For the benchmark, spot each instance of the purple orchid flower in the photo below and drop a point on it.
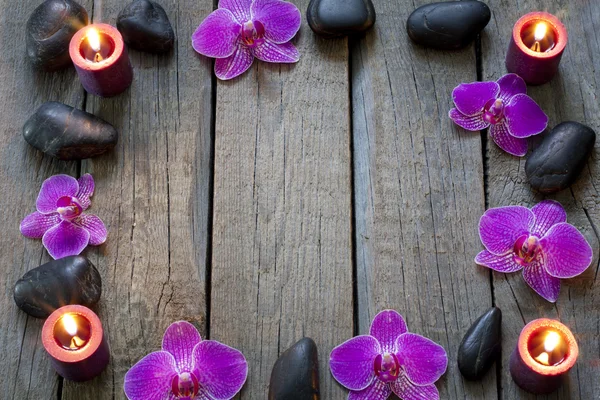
(240, 30)
(388, 360)
(59, 220)
(538, 241)
(503, 105)
(187, 368)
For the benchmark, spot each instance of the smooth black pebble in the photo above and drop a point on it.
(69, 280)
(49, 31)
(448, 25)
(334, 18)
(561, 156)
(145, 26)
(481, 345)
(295, 375)
(67, 133)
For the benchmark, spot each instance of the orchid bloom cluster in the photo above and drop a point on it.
(389, 359)
(241, 30)
(59, 220)
(504, 107)
(538, 241)
(187, 368)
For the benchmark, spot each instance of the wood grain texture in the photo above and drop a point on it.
(572, 95)
(418, 190)
(26, 372)
(282, 261)
(153, 194)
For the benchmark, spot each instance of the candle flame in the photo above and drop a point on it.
(70, 324)
(540, 31)
(93, 38)
(551, 341)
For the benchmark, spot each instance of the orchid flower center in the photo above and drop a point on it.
(526, 249)
(68, 207)
(252, 33)
(493, 112)
(387, 367)
(185, 385)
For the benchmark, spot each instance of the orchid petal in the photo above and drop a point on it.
(566, 251)
(65, 239)
(179, 339)
(470, 98)
(351, 362)
(272, 52)
(53, 189)
(217, 35)
(94, 226)
(473, 123)
(505, 263)
(221, 370)
(281, 19)
(150, 378)
(507, 142)
(234, 65)
(86, 190)
(386, 327)
(499, 228)
(406, 390)
(541, 282)
(511, 85)
(547, 214)
(378, 390)
(36, 224)
(239, 8)
(424, 361)
(524, 117)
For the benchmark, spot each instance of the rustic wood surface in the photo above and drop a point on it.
(296, 200)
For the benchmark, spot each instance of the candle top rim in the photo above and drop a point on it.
(533, 328)
(80, 37)
(562, 37)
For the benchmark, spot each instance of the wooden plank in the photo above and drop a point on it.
(418, 190)
(26, 371)
(572, 95)
(153, 194)
(282, 265)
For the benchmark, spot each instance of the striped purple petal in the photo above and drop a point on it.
(150, 378)
(470, 98)
(406, 390)
(217, 35)
(221, 370)
(541, 282)
(499, 228)
(36, 224)
(507, 142)
(352, 362)
(547, 214)
(505, 263)
(386, 327)
(272, 52)
(473, 123)
(566, 251)
(281, 19)
(511, 85)
(423, 360)
(53, 189)
(524, 117)
(239, 8)
(65, 239)
(94, 226)
(86, 190)
(179, 339)
(378, 390)
(235, 65)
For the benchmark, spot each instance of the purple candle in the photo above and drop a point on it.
(101, 60)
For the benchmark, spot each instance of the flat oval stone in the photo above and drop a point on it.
(145, 27)
(49, 31)
(448, 25)
(561, 156)
(335, 18)
(69, 280)
(295, 375)
(481, 345)
(66, 133)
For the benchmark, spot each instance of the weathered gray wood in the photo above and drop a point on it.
(572, 95)
(26, 372)
(282, 256)
(153, 194)
(418, 190)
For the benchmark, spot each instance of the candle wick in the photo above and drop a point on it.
(98, 57)
(536, 47)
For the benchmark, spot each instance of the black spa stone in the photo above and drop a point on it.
(481, 345)
(334, 18)
(561, 156)
(66, 133)
(448, 25)
(70, 280)
(49, 31)
(295, 375)
(145, 27)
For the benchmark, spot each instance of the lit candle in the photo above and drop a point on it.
(545, 353)
(74, 339)
(536, 47)
(101, 60)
